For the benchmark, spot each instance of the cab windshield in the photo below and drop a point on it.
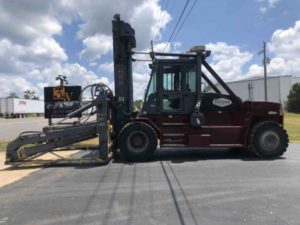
(151, 90)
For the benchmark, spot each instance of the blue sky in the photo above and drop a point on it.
(234, 22)
(39, 40)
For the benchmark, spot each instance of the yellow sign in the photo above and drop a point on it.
(59, 93)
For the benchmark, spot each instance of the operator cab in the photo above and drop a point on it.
(172, 87)
(176, 86)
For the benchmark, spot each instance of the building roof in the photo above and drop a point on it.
(259, 78)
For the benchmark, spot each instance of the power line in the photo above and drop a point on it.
(184, 8)
(164, 8)
(158, 21)
(189, 12)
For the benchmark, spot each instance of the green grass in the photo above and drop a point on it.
(292, 125)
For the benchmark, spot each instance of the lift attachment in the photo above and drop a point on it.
(31, 144)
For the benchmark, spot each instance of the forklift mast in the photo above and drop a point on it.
(123, 43)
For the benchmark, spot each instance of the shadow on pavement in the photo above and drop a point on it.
(172, 155)
(182, 155)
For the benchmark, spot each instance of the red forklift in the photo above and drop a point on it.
(176, 111)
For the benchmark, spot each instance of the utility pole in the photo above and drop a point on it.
(266, 61)
(265, 71)
(151, 46)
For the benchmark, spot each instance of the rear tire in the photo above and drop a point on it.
(268, 140)
(137, 141)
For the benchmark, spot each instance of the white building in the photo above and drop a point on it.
(253, 88)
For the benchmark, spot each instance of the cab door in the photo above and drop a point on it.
(171, 89)
(173, 119)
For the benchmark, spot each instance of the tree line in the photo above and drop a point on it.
(293, 99)
(26, 94)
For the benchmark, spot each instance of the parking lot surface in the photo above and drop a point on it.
(178, 187)
(11, 128)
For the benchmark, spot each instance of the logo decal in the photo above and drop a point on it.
(22, 102)
(222, 102)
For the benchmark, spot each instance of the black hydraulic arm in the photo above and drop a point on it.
(211, 84)
(31, 143)
(223, 84)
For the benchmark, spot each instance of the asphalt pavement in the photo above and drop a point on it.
(11, 128)
(178, 187)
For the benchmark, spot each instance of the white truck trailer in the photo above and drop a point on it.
(17, 107)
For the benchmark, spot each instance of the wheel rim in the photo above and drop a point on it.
(137, 141)
(269, 140)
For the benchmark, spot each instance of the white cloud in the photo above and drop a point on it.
(95, 31)
(24, 21)
(15, 84)
(26, 35)
(265, 5)
(285, 46)
(254, 70)
(109, 67)
(30, 54)
(15, 58)
(286, 43)
(147, 25)
(43, 51)
(92, 64)
(9, 54)
(228, 60)
(272, 3)
(162, 47)
(263, 9)
(96, 46)
(76, 74)
(140, 81)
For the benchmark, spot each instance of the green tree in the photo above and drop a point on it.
(12, 95)
(30, 95)
(293, 99)
(138, 104)
(35, 98)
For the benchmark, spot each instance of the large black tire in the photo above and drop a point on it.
(267, 139)
(137, 141)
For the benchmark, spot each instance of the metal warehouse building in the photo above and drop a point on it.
(253, 88)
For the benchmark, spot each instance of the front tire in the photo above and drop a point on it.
(268, 139)
(137, 141)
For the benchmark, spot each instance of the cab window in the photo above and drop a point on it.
(152, 86)
(172, 78)
(190, 80)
